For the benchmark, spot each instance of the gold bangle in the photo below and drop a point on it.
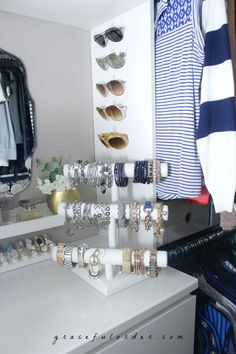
(142, 265)
(126, 260)
(60, 254)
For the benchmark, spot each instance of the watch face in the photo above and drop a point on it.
(39, 241)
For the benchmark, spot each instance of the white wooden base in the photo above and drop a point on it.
(109, 287)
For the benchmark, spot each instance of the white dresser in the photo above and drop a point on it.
(43, 301)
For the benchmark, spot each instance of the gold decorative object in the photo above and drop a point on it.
(54, 199)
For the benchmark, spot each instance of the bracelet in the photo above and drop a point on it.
(159, 233)
(148, 218)
(141, 172)
(81, 251)
(119, 175)
(122, 221)
(126, 260)
(68, 220)
(83, 177)
(153, 269)
(77, 215)
(106, 179)
(134, 216)
(156, 172)
(94, 265)
(60, 254)
(68, 256)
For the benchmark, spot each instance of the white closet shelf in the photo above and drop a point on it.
(48, 221)
(24, 263)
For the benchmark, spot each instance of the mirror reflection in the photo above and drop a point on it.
(17, 133)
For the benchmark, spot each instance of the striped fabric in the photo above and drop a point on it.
(216, 135)
(179, 57)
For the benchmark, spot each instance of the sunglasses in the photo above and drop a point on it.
(115, 61)
(116, 87)
(115, 112)
(114, 34)
(114, 140)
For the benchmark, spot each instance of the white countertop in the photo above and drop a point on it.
(43, 300)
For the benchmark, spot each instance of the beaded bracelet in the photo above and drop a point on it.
(141, 172)
(119, 174)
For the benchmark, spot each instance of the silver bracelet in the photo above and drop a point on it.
(68, 256)
(77, 215)
(81, 251)
(122, 221)
(94, 265)
(134, 216)
(153, 270)
(68, 221)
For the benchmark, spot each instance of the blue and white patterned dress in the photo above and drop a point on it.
(179, 57)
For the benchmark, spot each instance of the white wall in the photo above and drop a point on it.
(57, 61)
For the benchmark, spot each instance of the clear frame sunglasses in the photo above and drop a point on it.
(114, 60)
(116, 87)
(114, 34)
(115, 112)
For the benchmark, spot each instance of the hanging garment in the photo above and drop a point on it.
(21, 110)
(179, 59)
(216, 135)
(216, 329)
(7, 139)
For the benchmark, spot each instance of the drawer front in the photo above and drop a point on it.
(169, 332)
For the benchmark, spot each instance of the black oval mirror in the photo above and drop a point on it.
(17, 127)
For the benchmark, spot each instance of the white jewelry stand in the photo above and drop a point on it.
(128, 169)
(111, 257)
(112, 281)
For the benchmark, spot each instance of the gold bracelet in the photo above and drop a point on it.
(126, 260)
(142, 265)
(154, 172)
(159, 222)
(60, 254)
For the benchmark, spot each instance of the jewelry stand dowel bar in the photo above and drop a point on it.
(114, 256)
(128, 169)
(114, 211)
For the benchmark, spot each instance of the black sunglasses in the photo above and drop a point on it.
(115, 34)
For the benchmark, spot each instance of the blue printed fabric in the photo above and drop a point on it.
(215, 330)
(179, 57)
